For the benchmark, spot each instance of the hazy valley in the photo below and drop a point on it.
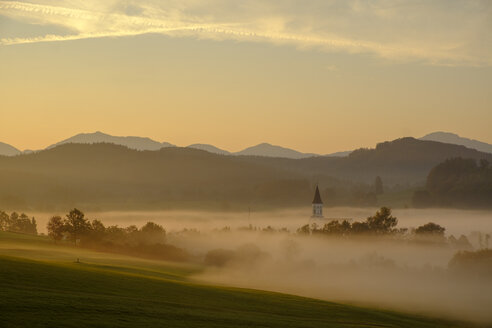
(260, 163)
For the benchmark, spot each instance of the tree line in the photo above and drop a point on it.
(382, 223)
(16, 222)
(190, 178)
(146, 241)
(457, 182)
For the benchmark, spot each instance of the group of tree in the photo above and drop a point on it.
(346, 193)
(247, 254)
(16, 222)
(147, 241)
(380, 224)
(475, 263)
(378, 185)
(457, 182)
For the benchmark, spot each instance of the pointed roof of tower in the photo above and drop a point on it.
(317, 197)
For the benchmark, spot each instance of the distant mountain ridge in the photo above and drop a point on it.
(8, 150)
(261, 150)
(137, 143)
(401, 161)
(142, 143)
(269, 150)
(340, 153)
(210, 148)
(452, 138)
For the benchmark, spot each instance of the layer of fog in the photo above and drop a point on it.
(456, 222)
(385, 274)
(397, 275)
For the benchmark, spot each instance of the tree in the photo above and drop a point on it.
(460, 182)
(378, 185)
(430, 228)
(152, 233)
(314, 228)
(304, 230)
(97, 230)
(460, 243)
(484, 164)
(76, 224)
(13, 217)
(131, 229)
(4, 221)
(56, 228)
(34, 226)
(382, 222)
(360, 227)
(219, 257)
(478, 263)
(22, 223)
(336, 228)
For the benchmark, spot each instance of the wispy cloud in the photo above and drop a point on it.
(396, 30)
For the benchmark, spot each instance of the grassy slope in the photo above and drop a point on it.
(105, 290)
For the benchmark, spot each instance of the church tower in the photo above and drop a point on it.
(317, 205)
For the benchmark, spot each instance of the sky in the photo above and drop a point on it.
(314, 75)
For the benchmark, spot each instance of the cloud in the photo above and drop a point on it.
(395, 30)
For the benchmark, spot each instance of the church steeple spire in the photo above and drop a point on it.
(317, 204)
(317, 197)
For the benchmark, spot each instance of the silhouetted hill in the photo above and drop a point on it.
(455, 139)
(402, 161)
(457, 182)
(340, 153)
(406, 158)
(209, 148)
(111, 176)
(8, 150)
(137, 143)
(140, 143)
(268, 150)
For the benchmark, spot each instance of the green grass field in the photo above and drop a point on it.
(41, 285)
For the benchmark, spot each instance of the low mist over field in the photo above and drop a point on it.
(251, 249)
(371, 272)
(457, 222)
(260, 163)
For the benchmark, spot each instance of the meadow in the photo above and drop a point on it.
(46, 285)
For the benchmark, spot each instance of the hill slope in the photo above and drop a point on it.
(401, 161)
(115, 177)
(118, 177)
(340, 153)
(137, 143)
(455, 139)
(106, 292)
(268, 150)
(8, 150)
(210, 148)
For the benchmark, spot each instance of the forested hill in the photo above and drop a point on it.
(113, 176)
(457, 182)
(109, 176)
(402, 161)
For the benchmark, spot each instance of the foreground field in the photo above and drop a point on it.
(44, 285)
